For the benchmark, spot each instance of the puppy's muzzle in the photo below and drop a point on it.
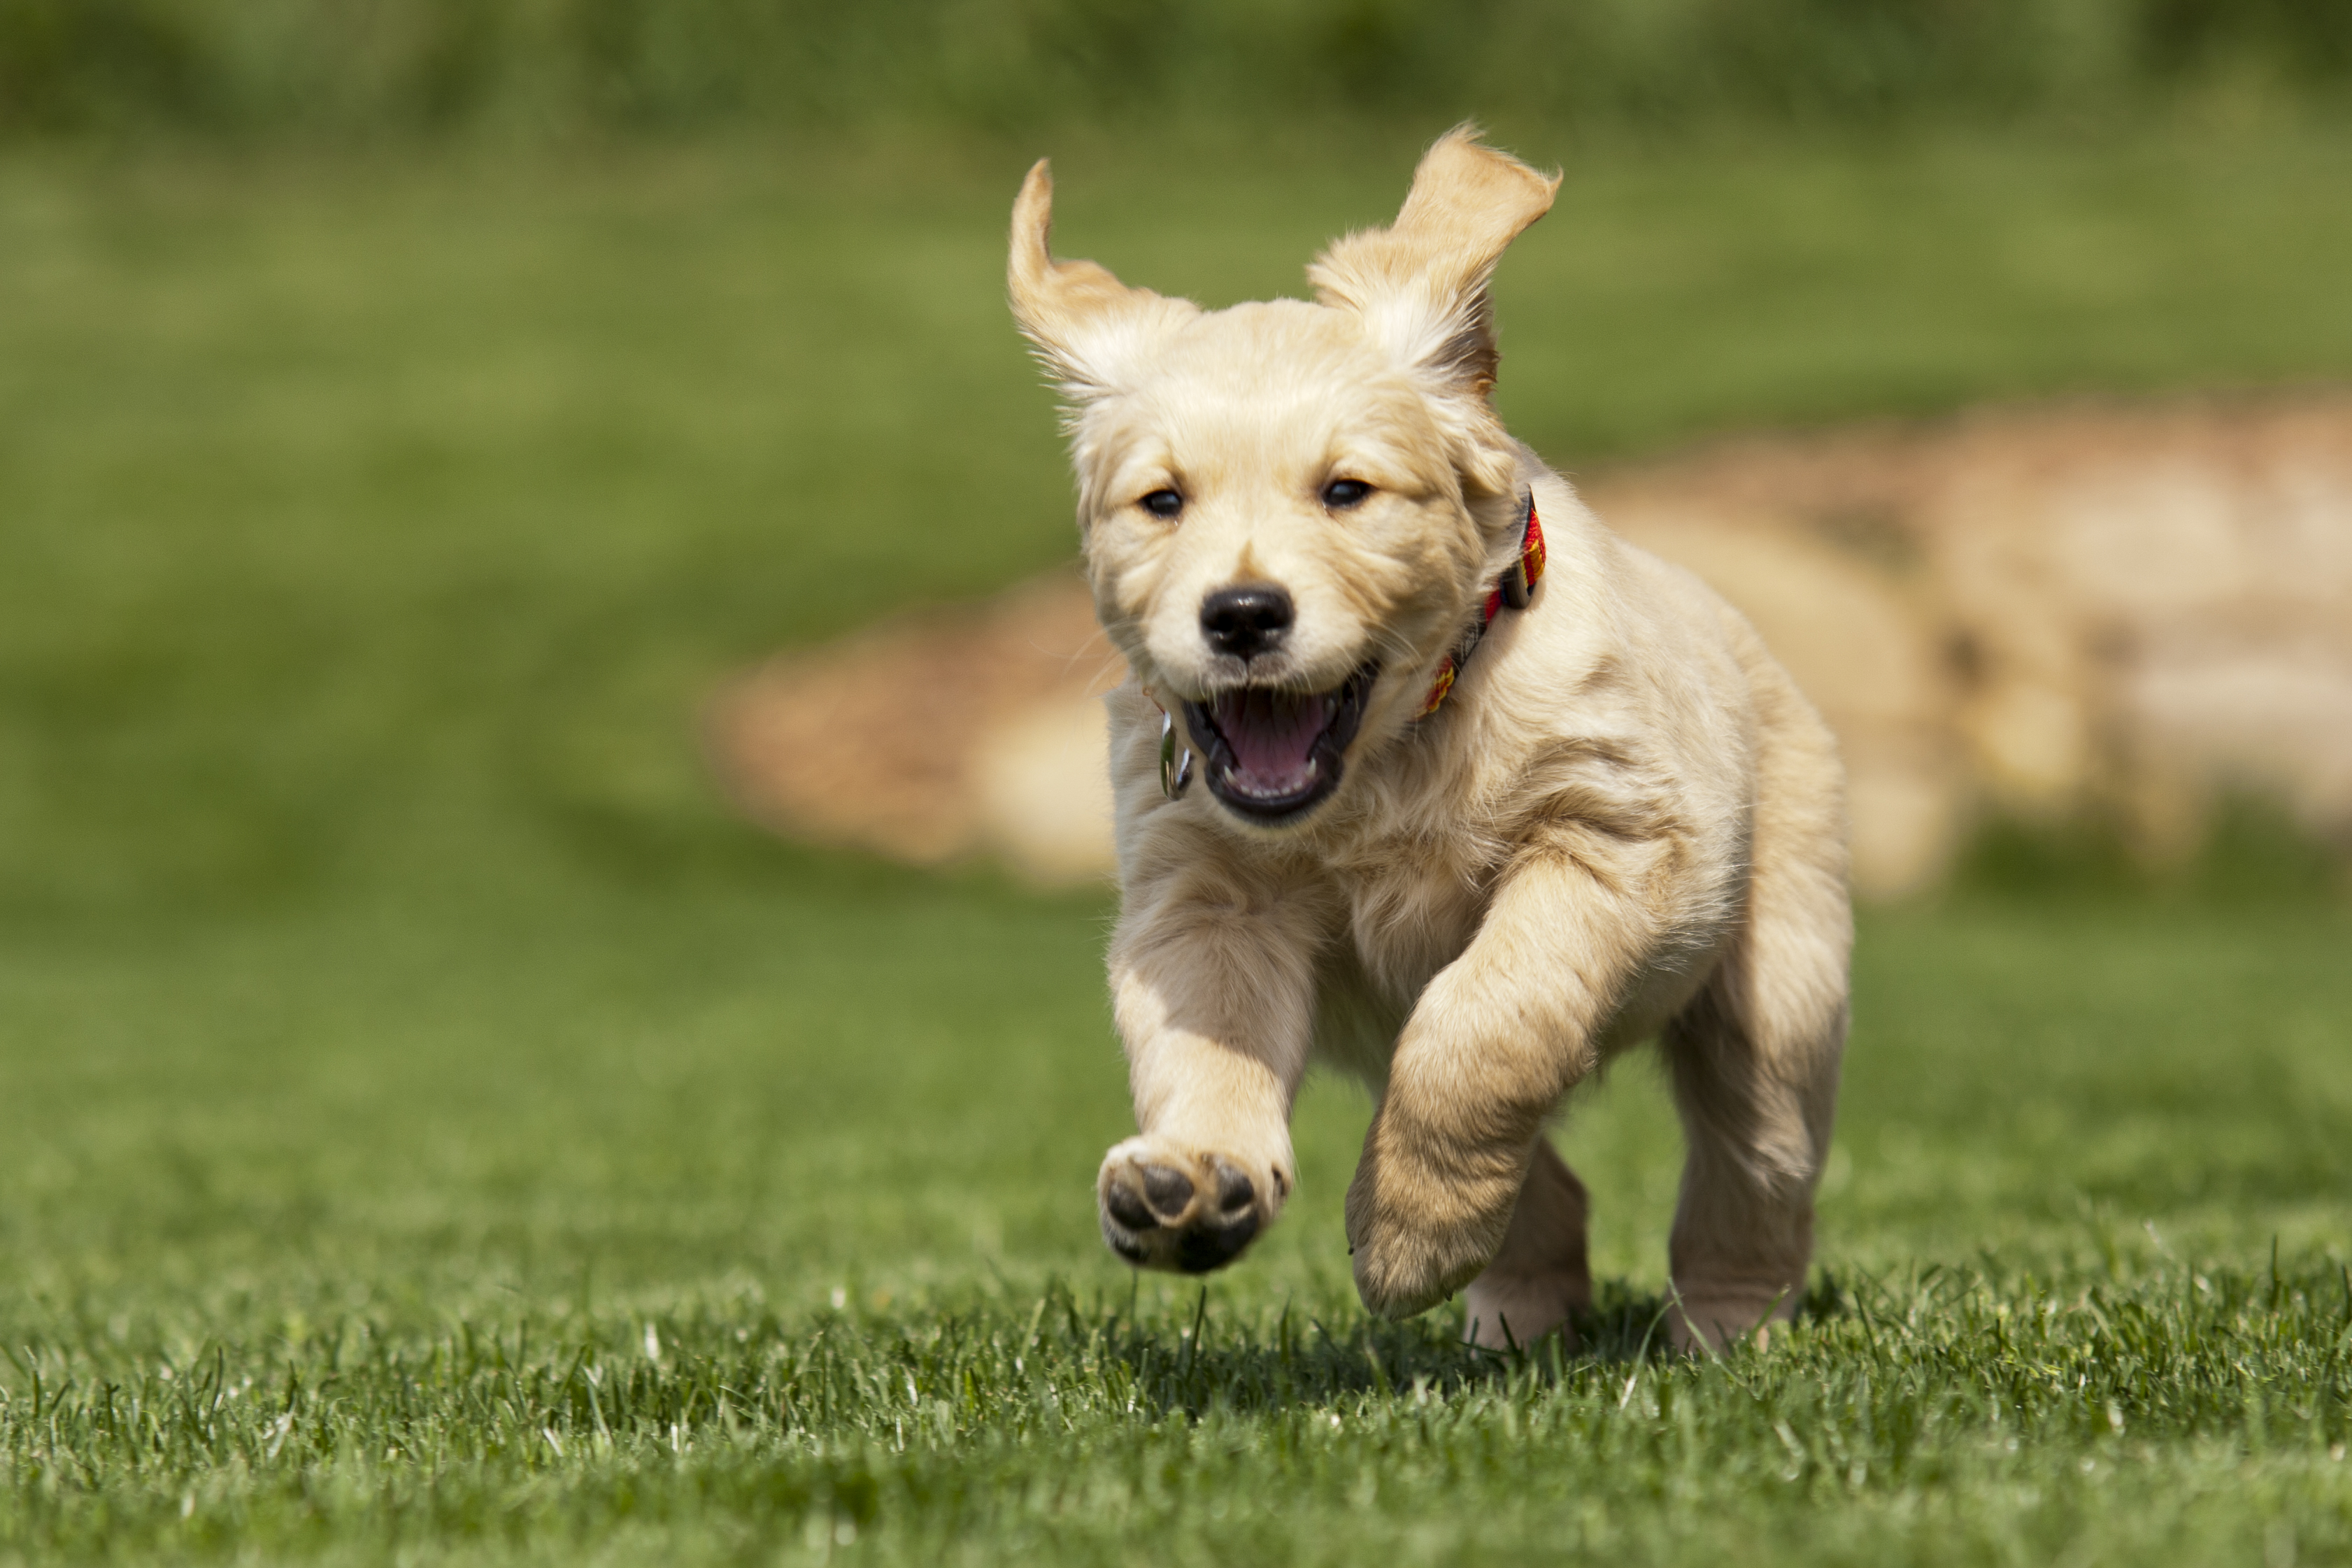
(1274, 754)
(1248, 620)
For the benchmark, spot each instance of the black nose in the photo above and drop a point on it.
(1247, 620)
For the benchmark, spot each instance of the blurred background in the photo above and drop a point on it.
(452, 456)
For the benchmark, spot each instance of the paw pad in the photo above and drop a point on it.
(1128, 1207)
(1157, 1214)
(1170, 1192)
(1235, 1191)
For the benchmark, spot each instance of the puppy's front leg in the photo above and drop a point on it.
(1213, 980)
(1497, 1039)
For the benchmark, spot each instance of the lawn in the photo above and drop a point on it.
(435, 1133)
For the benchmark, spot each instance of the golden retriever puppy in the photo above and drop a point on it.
(1423, 773)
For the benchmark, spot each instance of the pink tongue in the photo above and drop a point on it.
(1273, 735)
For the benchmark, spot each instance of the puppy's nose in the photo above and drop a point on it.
(1248, 620)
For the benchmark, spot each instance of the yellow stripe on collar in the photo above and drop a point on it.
(1517, 586)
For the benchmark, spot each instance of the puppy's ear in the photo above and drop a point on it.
(1091, 332)
(1420, 284)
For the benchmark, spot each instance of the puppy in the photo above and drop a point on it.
(1423, 773)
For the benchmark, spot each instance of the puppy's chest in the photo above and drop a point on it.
(1406, 917)
(1411, 910)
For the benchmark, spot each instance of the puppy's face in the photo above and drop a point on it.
(1287, 507)
(1276, 531)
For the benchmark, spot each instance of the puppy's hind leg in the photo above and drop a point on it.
(1754, 1059)
(1541, 1276)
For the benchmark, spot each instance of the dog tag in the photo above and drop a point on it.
(1174, 774)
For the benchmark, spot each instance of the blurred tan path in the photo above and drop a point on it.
(2037, 611)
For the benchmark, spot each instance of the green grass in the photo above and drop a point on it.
(539, 68)
(432, 1133)
(355, 515)
(708, 1226)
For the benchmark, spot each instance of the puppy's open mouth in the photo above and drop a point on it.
(1272, 753)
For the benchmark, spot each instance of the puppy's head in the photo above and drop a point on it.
(1289, 509)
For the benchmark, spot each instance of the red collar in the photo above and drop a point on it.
(1515, 588)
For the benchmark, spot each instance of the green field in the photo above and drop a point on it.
(434, 1132)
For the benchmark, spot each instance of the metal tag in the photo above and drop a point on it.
(1174, 774)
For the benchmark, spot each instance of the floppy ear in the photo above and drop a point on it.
(1420, 284)
(1091, 332)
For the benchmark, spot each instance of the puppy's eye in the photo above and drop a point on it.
(1162, 503)
(1341, 494)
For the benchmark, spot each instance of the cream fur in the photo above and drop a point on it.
(1623, 825)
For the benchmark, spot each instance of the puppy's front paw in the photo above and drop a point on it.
(1164, 1206)
(1416, 1237)
(1402, 1267)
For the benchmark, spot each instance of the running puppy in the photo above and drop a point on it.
(1423, 773)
